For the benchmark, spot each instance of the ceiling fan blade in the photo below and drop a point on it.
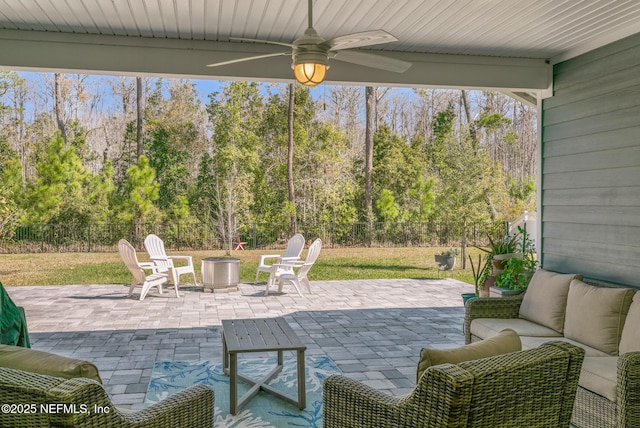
(249, 58)
(371, 60)
(356, 40)
(242, 39)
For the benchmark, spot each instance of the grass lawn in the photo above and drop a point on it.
(333, 264)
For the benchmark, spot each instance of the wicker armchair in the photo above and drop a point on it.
(534, 388)
(43, 401)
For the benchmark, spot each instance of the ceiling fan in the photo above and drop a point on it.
(311, 53)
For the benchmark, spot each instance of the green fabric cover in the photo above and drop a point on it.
(504, 342)
(31, 360)
(13, 323)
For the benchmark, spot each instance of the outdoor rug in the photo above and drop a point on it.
(263, 410)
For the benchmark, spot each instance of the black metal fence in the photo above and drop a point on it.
(103, 237)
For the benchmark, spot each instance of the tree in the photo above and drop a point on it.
(13, 89)
(370, 129)
(175, 141)
(327, 185)
(61, 187)
(283, 130)
(102, 196)
(290, 187)
(141, 190)
(235, 114)
(203, 197)
(466, 177)
(59, 109)
(386, 206)
(400, 176)
(11, 179)
(139, 116)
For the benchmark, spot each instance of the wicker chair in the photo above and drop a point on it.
(50, 401)
(533, 388)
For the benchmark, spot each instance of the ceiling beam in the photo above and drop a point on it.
(100, 54)
(524, 97)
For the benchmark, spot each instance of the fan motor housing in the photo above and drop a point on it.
(310, 54)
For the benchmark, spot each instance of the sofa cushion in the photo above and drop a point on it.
(630, 340)
(502, 343)
(529, 342)
(487, 327)
(545, 300)
(596, 315)
(599, 375)
(31, 360)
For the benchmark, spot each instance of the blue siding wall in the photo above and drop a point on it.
(591, 165)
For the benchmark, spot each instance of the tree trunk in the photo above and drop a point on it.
(463, 253)
(470, 121)
(230, 217)
(58, 107)
(292, 196)
(370, 102)
(139, 116)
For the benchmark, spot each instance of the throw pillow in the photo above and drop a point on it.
(31, 360)
(505, 341)
(630, 340)
(596, 315)
(545, 300)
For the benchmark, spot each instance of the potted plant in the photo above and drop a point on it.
(446, 260)
(501, 250)
(518, 271)
(481, 273)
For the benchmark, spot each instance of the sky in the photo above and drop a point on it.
(203, 86)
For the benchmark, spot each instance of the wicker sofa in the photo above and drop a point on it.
(533, 388)
(600, 318)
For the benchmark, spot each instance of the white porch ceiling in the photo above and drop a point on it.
(506, 44)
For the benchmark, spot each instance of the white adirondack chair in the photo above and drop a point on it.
(303, 269)
(292, 252)
(137, 269)
(155, 247)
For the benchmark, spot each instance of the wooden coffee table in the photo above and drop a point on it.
(260, 335)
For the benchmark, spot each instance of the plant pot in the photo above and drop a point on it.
(499, 261)
(504, 292)
(467, 296)
(484, 290)
(445, 262)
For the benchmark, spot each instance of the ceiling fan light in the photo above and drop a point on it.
(309, 73)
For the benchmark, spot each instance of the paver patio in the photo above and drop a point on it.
(372, 329)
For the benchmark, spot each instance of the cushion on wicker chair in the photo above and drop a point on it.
(487, 327)
(599, 375)
(630, 340)
(505, 341)
(545, 300)
(596, 315)
(30, 360)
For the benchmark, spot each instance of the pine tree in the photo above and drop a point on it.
(141, 192)
(60, 190)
